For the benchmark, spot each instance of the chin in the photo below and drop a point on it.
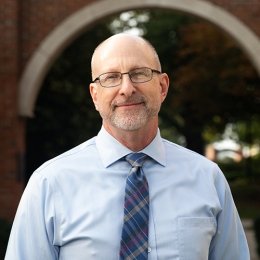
(130, 125)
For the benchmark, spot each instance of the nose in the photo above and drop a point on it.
(127, 88)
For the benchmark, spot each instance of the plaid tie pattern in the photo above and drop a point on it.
(134, 241)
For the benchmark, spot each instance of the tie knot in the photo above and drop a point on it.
(136, 159)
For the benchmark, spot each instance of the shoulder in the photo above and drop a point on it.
(181, 155)
(71, 158)
(173, 147)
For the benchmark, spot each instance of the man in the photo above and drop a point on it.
(73, 205)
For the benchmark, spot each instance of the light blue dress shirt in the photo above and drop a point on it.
(72, 207)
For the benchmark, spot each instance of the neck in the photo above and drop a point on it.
(134, 140)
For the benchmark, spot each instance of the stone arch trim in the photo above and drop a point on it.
(76, 23)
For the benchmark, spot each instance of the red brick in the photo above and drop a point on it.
(24, 24)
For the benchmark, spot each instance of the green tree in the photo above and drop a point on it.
(212, 84)
(212, 81)
(64, 113)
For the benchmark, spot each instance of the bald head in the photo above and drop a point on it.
(125, 46)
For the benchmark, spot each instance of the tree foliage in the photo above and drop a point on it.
(64, 113)
(212, 83)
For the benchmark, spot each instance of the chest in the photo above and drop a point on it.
(182, 223)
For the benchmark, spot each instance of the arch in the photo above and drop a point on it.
(76, 23)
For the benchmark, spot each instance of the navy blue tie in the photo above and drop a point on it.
(134, 241)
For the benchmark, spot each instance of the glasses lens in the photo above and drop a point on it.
(140, 75)
(110, 79)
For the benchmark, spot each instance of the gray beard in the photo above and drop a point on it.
(130, 121)
(133, 120)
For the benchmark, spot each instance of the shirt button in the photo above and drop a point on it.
(149, 249)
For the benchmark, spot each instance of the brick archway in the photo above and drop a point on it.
(77, 22)
(34, 33)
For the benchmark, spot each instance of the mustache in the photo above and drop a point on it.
(128, 101)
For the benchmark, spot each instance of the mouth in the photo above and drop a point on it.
(127, 107)
(130, 104)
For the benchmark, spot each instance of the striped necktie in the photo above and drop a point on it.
(134, 241)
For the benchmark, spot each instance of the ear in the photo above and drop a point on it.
(94, 94)
(164, 83)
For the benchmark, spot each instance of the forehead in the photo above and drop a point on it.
(123, 53)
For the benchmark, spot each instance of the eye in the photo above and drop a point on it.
(138, 74)
(111, 76)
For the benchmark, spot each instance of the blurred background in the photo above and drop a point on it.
(212, 106)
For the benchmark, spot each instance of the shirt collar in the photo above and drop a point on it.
(111, 150)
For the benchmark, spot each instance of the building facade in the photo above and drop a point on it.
(34, 33)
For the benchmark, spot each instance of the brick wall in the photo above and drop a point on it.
(11, 126)
(248, 11)
(40, 17)
(23, 25)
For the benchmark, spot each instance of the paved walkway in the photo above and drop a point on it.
(250, 234)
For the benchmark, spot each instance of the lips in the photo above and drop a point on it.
(129, 104)
(133, 102)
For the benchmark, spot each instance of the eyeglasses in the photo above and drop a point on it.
(113, 79)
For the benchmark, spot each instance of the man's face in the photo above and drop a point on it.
(129, 106)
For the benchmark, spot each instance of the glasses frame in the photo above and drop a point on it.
(129, 74)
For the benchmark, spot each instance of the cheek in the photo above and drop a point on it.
(157, 97)
(104, 100)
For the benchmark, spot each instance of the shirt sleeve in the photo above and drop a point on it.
(229, 241)
(32, 233)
